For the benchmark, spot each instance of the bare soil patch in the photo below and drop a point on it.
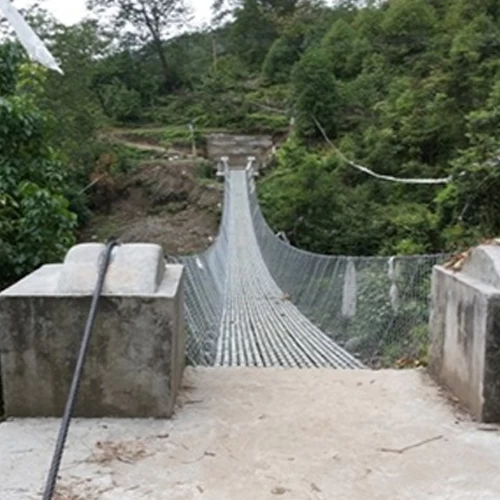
(163, 202)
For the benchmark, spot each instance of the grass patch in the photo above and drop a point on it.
(106, 230)
(206, 170)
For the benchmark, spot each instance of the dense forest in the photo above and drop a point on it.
(406, 88)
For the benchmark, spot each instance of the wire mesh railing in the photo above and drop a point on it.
(376, 308)
(205, 291)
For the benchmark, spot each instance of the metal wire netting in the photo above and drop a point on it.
(377, 308)
(205, 291)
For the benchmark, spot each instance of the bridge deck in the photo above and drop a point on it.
(260, 326)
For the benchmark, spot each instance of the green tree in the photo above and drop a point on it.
(282, 56)
(72, 100)
(36, 225)
(408, 27)
(346, 49)
(316, 93)
(299, 30)
(252, 33)
(470, 206)
(151, 20)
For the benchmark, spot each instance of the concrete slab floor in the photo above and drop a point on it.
(267, 434)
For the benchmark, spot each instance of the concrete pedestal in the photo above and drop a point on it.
(136, 359)
(465, 332)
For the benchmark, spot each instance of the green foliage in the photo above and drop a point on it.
(409, 26)
(359, 221)
(288, 205)
(409, 229)
(205, 170)
(316, 92)
(149, 20)
(74, 105)
(372, 330)
(298, 31)
(265, 123)
(345, 49)
(36, 225)
(119, 102)
(255, 28)
(10, 56)
(406, 89)
(469, 207)
(281, 58)
(182, 137)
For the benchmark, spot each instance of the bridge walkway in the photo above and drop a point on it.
(260, 326)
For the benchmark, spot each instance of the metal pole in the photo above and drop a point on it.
(193, 140)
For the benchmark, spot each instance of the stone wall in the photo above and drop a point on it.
(237, 148)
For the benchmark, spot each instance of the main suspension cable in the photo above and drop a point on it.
(402, 180)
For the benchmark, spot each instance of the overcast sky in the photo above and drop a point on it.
(71, 11)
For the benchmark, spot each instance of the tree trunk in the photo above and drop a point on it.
(214, 52)
(163, 60)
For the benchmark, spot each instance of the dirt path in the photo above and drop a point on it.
(124, 137)
(142, 146)
(266, 434)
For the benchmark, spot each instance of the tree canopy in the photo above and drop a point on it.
(408, 88)
(36, 224)
(149, 21)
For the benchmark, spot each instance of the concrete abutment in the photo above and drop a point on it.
(465, 332)
(137, 355)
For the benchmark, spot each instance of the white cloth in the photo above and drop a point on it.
(28, 38)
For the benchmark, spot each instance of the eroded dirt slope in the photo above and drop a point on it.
(163, 202)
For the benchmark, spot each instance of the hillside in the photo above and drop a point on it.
(406, 88)
(162, 202)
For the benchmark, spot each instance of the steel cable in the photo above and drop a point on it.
(77, 376)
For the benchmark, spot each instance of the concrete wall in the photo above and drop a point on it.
(465, 332)
(237, 148)
(136, 358)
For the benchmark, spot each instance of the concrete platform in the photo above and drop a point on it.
(264, 434)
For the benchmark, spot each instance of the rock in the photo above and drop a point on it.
(352, 345)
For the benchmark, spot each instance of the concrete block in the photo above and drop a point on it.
(465, 332)
(136, 269)
(137, 353)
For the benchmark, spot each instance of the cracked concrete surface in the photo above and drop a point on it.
(265, 434)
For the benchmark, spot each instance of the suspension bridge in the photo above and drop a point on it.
(259, 324)
(255, 300)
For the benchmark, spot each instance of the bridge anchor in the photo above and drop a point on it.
(465, 332)
(136, 357)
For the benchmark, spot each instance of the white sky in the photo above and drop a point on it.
(71, 11)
